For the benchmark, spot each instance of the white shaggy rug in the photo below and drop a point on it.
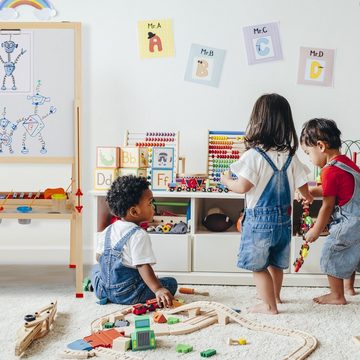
(333, 326)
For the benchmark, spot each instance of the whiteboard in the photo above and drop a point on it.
(37, 80)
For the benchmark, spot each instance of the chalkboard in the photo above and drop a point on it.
(38, 90)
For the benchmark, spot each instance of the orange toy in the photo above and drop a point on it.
(159, 318)
(193, 292)
(238, 222)
(49, 192)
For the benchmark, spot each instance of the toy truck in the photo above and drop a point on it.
(143, 337)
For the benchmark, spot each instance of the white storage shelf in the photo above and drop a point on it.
(205, 257)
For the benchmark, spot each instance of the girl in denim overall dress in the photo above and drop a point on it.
(340, 190)
(268, 173)
(124, 274)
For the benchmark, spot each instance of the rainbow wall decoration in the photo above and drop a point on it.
(44, 10)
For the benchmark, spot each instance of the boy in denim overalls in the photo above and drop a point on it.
(124, 274)
(340, 189)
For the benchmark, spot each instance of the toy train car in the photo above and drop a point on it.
(196, 183)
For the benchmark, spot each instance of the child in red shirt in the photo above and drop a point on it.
(340, 181)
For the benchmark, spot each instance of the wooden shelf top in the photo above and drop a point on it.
(184, 194)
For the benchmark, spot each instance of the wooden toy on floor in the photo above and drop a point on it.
(193, 291)
(38, 327)
(101, 353)
(240, 341)
(356, 339)
(142, 338)
(205, 313)
(103, 338)
(208, 353)
(183, 348)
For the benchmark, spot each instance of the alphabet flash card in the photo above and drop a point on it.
(205, 65)
(316, 66)
(262, 43)
(163, 158)
(107, 157)
(156, 38)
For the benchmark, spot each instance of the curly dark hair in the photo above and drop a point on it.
(319, 129)
(271, 125)
(125, 192)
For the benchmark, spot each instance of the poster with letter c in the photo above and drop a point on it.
(262, 43)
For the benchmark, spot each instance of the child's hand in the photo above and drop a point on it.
(311, 236)
(224, 177)
(305, 198)
(308, 199)
(164, 297)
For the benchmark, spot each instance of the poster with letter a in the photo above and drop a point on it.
(156, 38)
(316, 66)
(262, 43)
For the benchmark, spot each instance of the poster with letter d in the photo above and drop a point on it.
(316, 66)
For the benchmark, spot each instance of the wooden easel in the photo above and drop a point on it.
(41, 208)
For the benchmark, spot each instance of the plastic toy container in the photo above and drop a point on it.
(24, 210)
(58, 203)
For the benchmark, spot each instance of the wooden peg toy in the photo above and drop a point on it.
(193, 292)
(35, 197)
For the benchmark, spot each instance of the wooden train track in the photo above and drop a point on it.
(99, 353)
(202, 314)
(225, 314)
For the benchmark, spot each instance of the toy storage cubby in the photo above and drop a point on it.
(205, 257)
(172, 251)
(216, 251)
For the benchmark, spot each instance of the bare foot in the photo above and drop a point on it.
(350, 291)
(331, 299)
(278, 300)
(262, 309)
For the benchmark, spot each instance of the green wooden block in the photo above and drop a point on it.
(172, 320)
(208, 353)
(108, 325)
(183, 348)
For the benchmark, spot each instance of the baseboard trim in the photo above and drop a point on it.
(207, 278)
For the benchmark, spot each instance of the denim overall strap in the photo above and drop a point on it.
(352, 207)
(107, 245)
(287, 163)
(277, 191)
(120, 244)
(266, 157)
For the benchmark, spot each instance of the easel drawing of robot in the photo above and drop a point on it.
(7, 129)
(34, 124)
(9, 66)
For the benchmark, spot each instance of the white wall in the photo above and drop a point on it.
(121, 91)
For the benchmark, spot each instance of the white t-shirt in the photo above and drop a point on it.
(136, 251)
(253, 167)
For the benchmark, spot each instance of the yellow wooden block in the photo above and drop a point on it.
(133, 157)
